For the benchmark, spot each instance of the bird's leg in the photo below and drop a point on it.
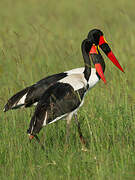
(79, 131)
(68, 118)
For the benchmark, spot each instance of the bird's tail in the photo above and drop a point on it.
(17, 100)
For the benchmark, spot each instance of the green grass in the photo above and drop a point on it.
(38, 38)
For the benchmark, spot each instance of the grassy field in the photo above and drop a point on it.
(39, 38)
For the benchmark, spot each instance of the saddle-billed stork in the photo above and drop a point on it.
(32, 94)
(64, 97)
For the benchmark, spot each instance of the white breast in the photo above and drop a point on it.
(93, 80)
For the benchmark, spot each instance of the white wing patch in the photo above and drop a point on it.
(77, 81)
(93, 80)
(22, 100)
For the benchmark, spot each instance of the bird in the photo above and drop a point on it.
(64, 97)
(31, 95)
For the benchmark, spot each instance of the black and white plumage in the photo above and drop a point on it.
(32, 94)
(59, 101)
(61, 95)
(65, 97)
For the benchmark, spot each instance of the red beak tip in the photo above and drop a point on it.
(122, 70)
(105, 81)
(114, 60)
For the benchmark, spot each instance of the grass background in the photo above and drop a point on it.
(39, 38)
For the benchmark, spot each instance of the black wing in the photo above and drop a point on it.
(33, 93)
(60, 99)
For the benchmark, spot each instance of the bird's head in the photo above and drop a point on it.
(96, 36)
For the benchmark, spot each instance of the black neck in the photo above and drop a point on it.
(86, 46)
